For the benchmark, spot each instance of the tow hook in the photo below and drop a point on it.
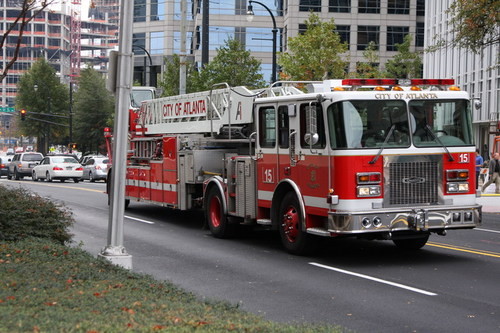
(417, 220)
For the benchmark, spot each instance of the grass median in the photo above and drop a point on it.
(47, 286)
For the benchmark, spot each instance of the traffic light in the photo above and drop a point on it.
(73, 145)
(23, 114)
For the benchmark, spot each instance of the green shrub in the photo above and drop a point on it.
(25, 214)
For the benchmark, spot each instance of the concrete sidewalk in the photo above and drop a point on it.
(490, 200)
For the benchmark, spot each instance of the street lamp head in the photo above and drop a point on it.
(35, 87)
(250, 13)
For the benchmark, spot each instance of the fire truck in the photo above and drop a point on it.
(380, 159)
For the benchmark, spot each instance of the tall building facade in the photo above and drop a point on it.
(157, 27)
(477, 74)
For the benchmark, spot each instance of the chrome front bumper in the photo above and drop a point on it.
(421, 218)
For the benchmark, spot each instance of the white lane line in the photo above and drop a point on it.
(139, 220)
(398, 285)
(487, 230)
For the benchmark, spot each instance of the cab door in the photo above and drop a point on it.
(287, 123)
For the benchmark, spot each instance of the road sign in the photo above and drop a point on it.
(6, 109)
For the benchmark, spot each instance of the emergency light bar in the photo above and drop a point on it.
(394, 82)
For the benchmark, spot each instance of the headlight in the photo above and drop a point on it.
(369, 191)
(457, 187)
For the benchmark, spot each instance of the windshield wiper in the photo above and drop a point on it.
(450, 157)
(375, 158)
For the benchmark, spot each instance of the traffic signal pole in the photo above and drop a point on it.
(115, 250)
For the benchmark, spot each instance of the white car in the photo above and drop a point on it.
(58, 167)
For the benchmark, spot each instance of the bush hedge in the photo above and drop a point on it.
(25, 214)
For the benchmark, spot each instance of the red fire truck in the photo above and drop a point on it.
(371, 158)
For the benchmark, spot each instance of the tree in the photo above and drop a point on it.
(28, 10)
(476, 24)
(370, 68)
(170, 81)
(93, 107)
(316, 54)
(405, 64)
(46, 101)
(232, 64)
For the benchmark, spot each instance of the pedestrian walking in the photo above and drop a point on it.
(479, 165)
(494, 173)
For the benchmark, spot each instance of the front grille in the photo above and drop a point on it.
(413, 183)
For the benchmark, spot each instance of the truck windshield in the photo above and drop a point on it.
(449, 120)
(137, 96)
(368, 123)
(357, 124)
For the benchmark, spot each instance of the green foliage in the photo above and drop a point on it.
(171, 74)
(232, 64)
(51, 288)
(25, 214)
(370, 68)
(93, 107)
(405, 64)
(314, 55)
(50, 97)
(476, 24)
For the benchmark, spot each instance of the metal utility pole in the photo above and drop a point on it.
(204, 32)
(183, 57)
(115, 251)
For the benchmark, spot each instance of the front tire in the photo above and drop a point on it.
(215, 215)
(291, 225)
(34, 177)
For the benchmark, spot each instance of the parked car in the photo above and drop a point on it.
(22, 164)
(10, 151)
(96, 169)
(4, 169)
(85, 158)
(58, 167)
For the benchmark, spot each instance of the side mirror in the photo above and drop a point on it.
(311, 138)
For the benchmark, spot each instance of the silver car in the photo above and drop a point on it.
(96, 169)
(22, 164)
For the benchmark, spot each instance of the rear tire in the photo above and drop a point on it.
(291, 225)
(91, 177)
(411, 244)
(215, 215)
(76, 180)
(16, 175)
(47, 177)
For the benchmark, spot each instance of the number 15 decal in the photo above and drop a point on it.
(464, 158)
(268, 176)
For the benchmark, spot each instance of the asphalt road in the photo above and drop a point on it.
(451, 285)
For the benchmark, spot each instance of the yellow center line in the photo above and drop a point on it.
(465, 249)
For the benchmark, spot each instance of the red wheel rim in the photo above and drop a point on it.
(290, 224)
(215, 211)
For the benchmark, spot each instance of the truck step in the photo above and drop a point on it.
(264, 221)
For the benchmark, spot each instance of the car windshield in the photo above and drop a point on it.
(62, 159)
(32, 157)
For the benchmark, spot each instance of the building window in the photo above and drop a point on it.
(395, 35)
(157, 10)
(419, 38)
(139, 40)
(366, 34)
(139, 10)
(310, 6)
(420, 7)
(157, 42)
(401, 7)
(302, 28)
(369, 6)
(339, 6)
(345, 33)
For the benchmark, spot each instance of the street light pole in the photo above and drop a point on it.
(250, 15)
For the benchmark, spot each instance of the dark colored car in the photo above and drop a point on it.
(4, 168)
